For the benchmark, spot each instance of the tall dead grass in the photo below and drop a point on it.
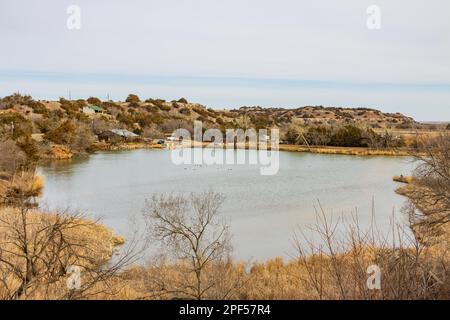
(337, 267)
(40, 248)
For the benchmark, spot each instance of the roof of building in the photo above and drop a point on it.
(124, 133)
(95, 108)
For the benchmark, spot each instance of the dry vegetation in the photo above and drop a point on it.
(413, 260)
(337, 268)
(61, 129)
(429, 194)
(37, 249)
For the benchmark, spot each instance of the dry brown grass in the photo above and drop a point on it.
(403, 179)
(23, 184)
(55, 152)
(282, 147)
(406, 274)
(345, 150)
(335, 269)
(86, 244)
(435, 235)
(127, 146)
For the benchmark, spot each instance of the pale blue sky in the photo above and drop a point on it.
(285, 53)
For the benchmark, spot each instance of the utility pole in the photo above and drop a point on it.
(70, 95)
(306, 141)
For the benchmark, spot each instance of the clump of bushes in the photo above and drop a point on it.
(186, 111)
(132, 98)
(133, 101)
(261, 121)
(15, 124)
(143, 119)
(17, 128)
(342, 136)
(10, 101)
(38, 108)
(164, 107)
(12, 158)
(348, 136)
(201, 111)
(125, 118)
(175, 105)
(78, 136)
(157, 102)
(108, 105)
(29, 147)
(94, 101)
(71, 107)
(151, 108)
(61, 134)
(220, 121)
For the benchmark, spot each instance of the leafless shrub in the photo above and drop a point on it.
(37, 249)
(336, 268)
(430, 192)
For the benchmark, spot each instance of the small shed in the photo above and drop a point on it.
(117, 135)
(92, 109)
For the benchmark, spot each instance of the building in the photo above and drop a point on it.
(124, 133)
(117, 135)
(92, 109)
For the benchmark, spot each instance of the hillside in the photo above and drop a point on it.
(61, 128)
(136, 114)
(331, 116)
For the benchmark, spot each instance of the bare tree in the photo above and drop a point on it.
(335, 258)
(193, 233)
(430, 191)
(37, 248)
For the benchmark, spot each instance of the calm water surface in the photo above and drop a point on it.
(264, 211)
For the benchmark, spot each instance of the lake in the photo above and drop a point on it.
(263, 211)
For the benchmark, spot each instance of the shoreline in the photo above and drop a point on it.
(352, 151)
(63, 154)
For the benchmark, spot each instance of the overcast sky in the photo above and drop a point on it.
(284, 53)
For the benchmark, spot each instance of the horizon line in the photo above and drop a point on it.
(115, 77)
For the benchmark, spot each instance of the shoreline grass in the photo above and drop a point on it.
(352, 151)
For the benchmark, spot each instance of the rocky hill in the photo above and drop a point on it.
(75, 126)
(140, 114)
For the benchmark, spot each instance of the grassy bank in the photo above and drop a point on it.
(345, 150)
(282, 147)
(38, 250)
(427, 221)
(127, 146)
